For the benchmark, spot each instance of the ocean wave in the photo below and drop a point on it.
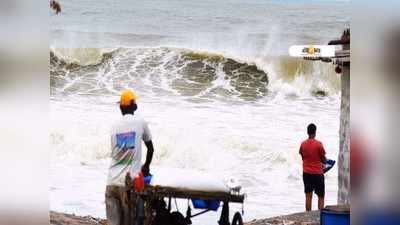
(77, 57)
(186, 72)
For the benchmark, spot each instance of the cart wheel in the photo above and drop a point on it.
(237, 219)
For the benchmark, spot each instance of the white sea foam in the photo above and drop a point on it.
(256, 144)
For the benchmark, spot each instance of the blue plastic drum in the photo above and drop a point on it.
(335, 215)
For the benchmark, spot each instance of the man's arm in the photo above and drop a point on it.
(300, 153)
(149, 157)
(322, 155)
(323, 159)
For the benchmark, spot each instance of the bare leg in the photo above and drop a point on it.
(113, 211)
(321, 202)
(308, 201)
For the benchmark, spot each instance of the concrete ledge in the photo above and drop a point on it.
(304, 218)
(68, 219)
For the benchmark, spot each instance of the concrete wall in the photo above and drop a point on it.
(344, 139)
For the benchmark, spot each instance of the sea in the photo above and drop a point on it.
(214, 81)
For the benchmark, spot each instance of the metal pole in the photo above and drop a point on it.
(344, 134)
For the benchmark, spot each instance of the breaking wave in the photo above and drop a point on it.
(79, 56)
(197, 75)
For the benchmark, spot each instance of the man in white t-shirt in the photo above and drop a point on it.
(126, 161)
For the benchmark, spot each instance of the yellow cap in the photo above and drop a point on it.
(127, 97)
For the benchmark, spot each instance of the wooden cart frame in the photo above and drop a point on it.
(152, 193)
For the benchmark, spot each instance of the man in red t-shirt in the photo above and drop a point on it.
(313, 154)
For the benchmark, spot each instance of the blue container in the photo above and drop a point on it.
(334, 216)
(206, 204)
(147, 179)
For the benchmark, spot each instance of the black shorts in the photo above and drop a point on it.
(314, 182)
